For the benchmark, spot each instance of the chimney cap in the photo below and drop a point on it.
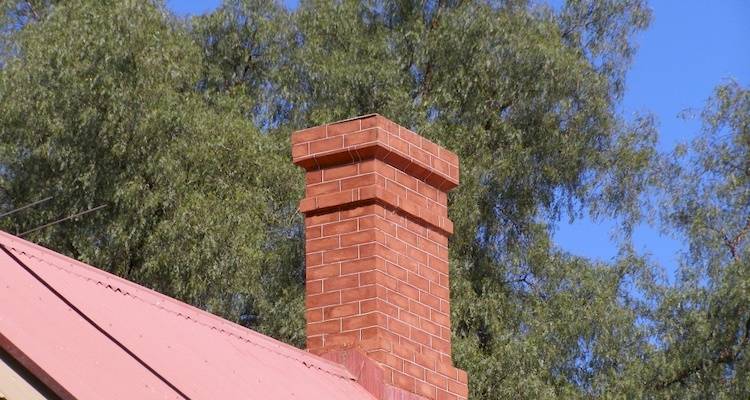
(374, 136)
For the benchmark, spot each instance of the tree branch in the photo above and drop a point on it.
(725, 356)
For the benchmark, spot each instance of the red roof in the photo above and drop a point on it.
(88, 334)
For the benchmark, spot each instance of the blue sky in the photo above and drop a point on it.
(690, 47)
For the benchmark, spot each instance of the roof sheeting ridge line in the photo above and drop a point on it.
(127, 293)
(91, 321)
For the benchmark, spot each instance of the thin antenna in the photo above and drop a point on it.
(25, 207)
(90, 210)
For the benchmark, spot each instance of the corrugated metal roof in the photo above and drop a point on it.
(97, 336)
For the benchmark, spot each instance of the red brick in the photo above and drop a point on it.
(407, 181)
(367, 278)
(420, 309)
(396, 189)
(397, 272)
(458, 388)
(409, 264)
(407, 236)
(414, 370)
(430, 327)
(454, 172)
(358, 181)
(341, 339)
(437, 264)
(419, 282)
(398, 300)
(340, 227)
(323, 327)
(366, 136)
(300, 150)
(408, 290)
(430, 147)
(307, 204)
(449, 156)
(440, 318)
(399, 145)
(323, 188)
(358, 293)
(325, 299)
(439, 291)
(361, 321)
(418, 255)
(436, 379)
(325, 271)
(447, 370)
(340, 128)
(313, 287)
(428, 246)
(463, 377)
(427, 390)
(409, 347)
(338, 172)
(315, 245)
(419, 155)
(314, 342)
(410, 136)
(341, 282)
(355, 238)
(426, 360)
(395, 244)
(388, 359)
(403, 381)
(419, 200)
(314, 259)
(315, 315)
(359, 265)
(324, 145)
(310, 134)
(387, 308)
(409, 318)
(344, 310)
(348, 253)
(429, 300)
(371, 121)
(420, 336)
(334, 199)
(429, 274)
(441, 166)
(313, 232)
(314, 177)
(398, 327)
(443, 395)
(321, 219)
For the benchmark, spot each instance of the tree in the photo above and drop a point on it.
(526, 97)
(98, 106)
(181, 128)
(702, 324)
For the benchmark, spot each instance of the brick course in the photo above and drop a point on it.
(377, 228)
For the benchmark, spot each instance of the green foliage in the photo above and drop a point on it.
(702, 324)
(181, 127)
(99, 107)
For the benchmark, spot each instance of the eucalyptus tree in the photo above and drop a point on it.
(702, 323)
(99, 105)
(181, 127)
(526, 95)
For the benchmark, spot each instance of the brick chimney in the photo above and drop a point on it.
(377, 228)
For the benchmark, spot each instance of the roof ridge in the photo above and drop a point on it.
(309, 360)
